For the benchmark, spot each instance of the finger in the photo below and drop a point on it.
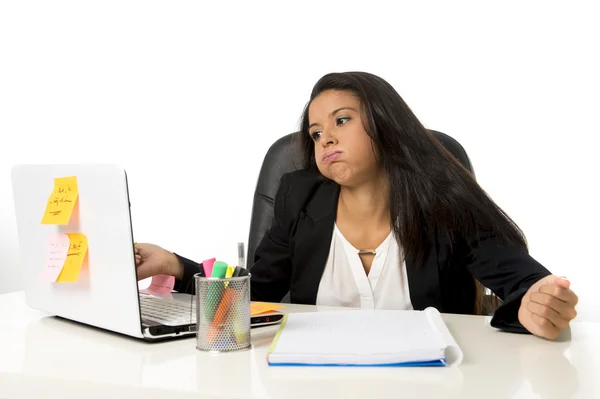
(566, 311)
(564, 294)
(550, 314)
(547, 329)
(143, 254)
(550, 301)
(138, 259)
(145, 250)
(561, 281)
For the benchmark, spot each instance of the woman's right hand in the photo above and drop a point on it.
(151, 260)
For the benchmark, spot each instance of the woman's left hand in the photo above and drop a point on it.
(548, 307)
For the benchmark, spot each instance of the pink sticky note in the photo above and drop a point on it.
(207, 265)
(57, 248)
(161, 284)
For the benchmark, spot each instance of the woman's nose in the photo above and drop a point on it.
(327, 139)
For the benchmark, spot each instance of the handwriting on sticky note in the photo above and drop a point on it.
(56, 255)
(161, 284)
(78, 246)
(61, 201)
(257, 308)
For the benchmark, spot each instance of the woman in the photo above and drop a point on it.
(382, 216)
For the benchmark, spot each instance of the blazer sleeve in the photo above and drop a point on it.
(508, 271)
(272, 264)
(190, 268)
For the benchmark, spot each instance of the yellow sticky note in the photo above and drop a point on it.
(61, 201)
(77, 250)
(263, 307)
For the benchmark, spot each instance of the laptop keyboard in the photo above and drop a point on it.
(170, 313)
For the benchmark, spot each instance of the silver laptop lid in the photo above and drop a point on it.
(105, 294)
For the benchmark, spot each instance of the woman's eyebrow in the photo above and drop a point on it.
(340, 109)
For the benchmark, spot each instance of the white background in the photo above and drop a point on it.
(188, 97)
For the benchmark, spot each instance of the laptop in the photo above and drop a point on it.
(106, 293)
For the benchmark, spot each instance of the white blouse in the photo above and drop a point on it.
(345, 282)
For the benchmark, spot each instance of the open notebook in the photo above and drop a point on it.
(364, 338)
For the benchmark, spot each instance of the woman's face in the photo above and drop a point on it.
(344, 151)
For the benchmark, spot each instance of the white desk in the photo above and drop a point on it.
(43, 356)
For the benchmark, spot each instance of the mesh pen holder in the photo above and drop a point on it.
(222, 313)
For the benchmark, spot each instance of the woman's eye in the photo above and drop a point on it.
(315, 135)
(341, 120)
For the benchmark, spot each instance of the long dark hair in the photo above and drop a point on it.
(430, 191)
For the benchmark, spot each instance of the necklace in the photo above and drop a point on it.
(367, 252)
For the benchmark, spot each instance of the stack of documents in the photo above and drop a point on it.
(364, 338)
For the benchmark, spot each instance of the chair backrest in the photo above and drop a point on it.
(283, 157)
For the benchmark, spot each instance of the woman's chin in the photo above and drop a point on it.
(338, 173)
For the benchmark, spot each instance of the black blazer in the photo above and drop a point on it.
(293, 253)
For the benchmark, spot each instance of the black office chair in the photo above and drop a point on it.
(283, 157)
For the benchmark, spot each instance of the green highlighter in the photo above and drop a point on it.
(215, 289)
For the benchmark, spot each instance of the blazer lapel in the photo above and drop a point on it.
(312, 243)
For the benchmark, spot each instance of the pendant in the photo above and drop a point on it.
(367, 252)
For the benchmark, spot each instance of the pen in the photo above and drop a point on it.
(208, 265)
(215, 289)
(229, 274)
(241, 255)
